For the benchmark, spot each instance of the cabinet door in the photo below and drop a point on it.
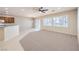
(9, 20)
(6, 19)
(2, 18)
(12, 20)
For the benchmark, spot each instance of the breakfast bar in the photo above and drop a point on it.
(8, 32)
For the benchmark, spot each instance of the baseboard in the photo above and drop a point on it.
(58, 32)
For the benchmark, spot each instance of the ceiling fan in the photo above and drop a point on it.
(41, 9)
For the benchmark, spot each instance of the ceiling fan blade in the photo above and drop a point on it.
(41, 9)
(45, 10)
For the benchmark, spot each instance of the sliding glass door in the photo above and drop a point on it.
(37, 25)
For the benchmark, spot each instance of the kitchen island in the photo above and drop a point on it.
(8, 32)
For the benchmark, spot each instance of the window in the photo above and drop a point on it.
(60, 21)
(47, 22)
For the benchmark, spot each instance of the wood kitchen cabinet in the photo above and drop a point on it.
(7, 19)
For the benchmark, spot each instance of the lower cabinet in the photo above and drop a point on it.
(9, 32)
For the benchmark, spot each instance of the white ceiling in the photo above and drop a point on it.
(31, 11)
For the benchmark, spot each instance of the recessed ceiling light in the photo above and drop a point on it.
(58, 8)
(6, 8)
(6, 11)
(22, 9)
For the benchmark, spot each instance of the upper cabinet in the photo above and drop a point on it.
(7, 19)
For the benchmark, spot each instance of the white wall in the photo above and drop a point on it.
(24, 23)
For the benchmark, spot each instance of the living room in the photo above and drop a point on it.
(28, 22)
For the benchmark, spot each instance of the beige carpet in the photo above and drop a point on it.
(49, 41)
